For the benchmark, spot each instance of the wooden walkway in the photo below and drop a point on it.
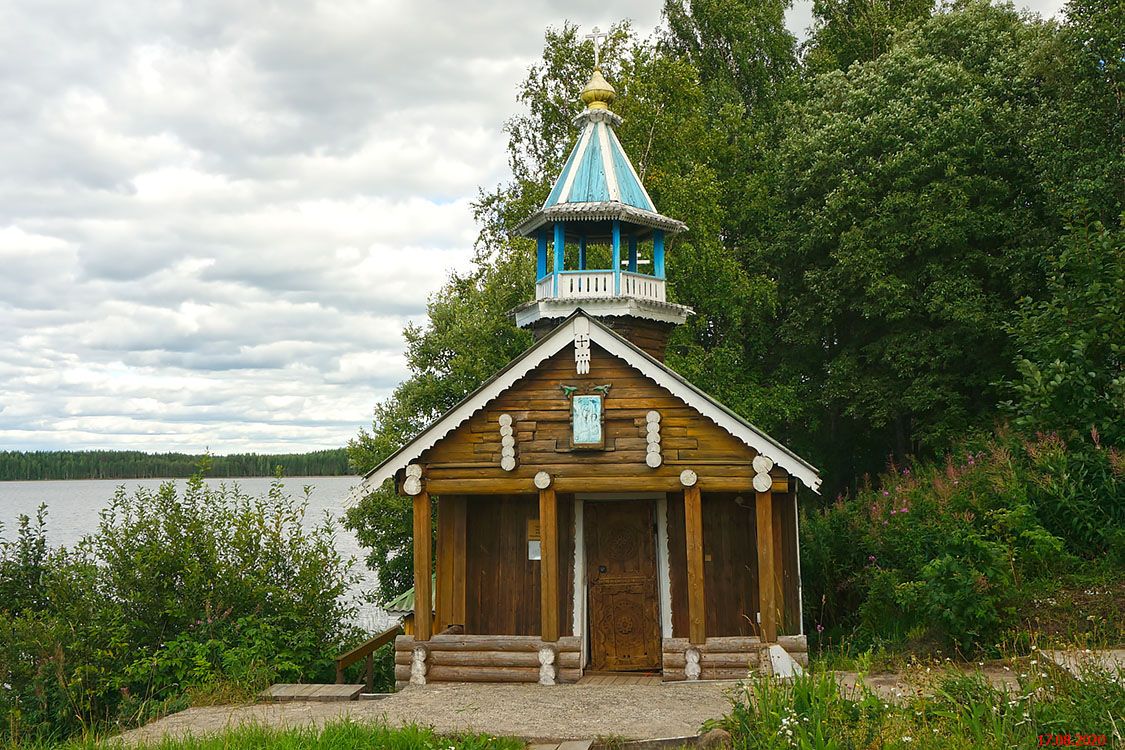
(309, 692)
(619, 678)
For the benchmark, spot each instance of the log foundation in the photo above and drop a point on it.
(486, 658)
(725, 658)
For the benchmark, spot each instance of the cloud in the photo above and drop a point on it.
(216, 217)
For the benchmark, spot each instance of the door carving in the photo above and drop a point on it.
(621, 584)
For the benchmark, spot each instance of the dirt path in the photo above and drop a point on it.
(557, 712)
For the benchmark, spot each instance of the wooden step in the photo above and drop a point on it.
(309, 692)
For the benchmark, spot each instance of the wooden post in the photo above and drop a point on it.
(693, 528)
(549, 563)
(443, 599)
(767, 603)
(616, 257)
(423, 567)
(460, 558)
(778, 563)
(560, 254)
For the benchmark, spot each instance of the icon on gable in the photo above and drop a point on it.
(586, 422)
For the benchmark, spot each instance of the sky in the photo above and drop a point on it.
(217, 216)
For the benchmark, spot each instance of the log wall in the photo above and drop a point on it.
(725, 658)
(484, 658)
(468, 459)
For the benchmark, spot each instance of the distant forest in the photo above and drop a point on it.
(16, 465)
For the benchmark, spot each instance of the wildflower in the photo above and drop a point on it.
(907, 738)
(819, 628)
(886, 494)
(893, 511)
(1034, 662)
(904, 510)
(871, 558)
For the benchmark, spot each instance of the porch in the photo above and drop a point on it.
(542, 588)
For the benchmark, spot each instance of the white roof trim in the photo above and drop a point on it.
(579, 155)
(617, 346)
(607, 164)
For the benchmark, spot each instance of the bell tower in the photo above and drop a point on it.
(601, 241)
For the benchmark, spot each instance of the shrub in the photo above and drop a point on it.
(172, 593)
(946, 551)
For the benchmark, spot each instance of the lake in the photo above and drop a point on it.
(73, 507)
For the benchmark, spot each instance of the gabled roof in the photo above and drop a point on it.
(613, 343)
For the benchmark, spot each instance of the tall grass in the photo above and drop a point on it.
(338, 735)
(955, 709)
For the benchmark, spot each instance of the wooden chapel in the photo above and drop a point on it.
(596, 512)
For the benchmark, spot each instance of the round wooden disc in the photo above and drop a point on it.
(763, 482)
(762, 464)
(653, 417)
(412, 486)
(507, 463)
(413, 470)
(542, 480)
(653, 447)
(654, 460)
(505, 420)
(507, 441)
(505, 430)
(688, 478)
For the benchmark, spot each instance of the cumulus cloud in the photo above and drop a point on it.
(217, 217)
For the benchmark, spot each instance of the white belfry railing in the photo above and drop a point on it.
(642, 287)
(586, 284)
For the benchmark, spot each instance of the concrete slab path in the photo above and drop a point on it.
(539, 714)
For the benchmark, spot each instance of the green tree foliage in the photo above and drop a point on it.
(910, 224)
(850, 31)
(17, 465)
(1078, 142)
(171, 593)
(1071, 344)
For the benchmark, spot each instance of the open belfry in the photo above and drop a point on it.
(597, 513)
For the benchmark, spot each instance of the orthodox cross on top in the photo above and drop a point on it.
(596, 38)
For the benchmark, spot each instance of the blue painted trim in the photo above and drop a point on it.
(560, 249)
(632, 253)
(617, 257)
(658, 253)
(582, 253)
(541, 255)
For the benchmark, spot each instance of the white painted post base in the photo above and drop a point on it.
(692, 669)
(781, 664)
(546, 666)
(418, 666)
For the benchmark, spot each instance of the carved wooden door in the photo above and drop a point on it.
(621, 580)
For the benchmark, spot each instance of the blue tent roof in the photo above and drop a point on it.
(598, 182)
(598, 171)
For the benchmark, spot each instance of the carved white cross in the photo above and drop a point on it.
(596, 37)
